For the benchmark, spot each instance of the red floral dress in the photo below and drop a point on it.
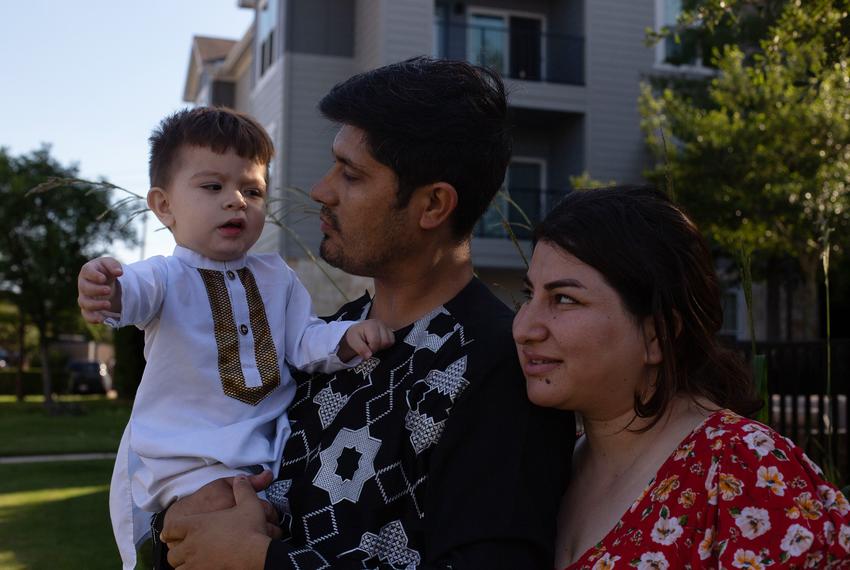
(734, 494)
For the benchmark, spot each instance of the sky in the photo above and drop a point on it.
(92, 78)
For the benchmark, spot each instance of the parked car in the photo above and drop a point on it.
(88, 377)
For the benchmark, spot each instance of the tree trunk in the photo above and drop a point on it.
(47, 388)
(807, 311)
(19, 375)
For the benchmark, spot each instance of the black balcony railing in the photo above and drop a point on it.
(522, 208)
(515, 53)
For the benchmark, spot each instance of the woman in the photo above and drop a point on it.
(620, 324)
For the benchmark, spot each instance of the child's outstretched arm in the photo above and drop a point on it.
(365, 339)
(99, 289)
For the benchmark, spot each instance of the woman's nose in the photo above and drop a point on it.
(528, 327)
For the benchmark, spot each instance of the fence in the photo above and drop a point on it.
(801, 408)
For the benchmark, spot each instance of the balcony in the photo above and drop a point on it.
(516, 47)
(522, 208)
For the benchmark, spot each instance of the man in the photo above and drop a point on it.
(428, 455)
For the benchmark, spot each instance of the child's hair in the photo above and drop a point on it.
(216, 128)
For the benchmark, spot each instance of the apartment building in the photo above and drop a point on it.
(572, 68)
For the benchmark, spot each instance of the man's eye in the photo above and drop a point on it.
(526, 294)
(213, 187)
(349, 177)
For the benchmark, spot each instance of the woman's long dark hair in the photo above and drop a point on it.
(654, 256)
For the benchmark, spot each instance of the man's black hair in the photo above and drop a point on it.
(432, 120)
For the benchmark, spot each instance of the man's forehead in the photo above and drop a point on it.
(351, 146)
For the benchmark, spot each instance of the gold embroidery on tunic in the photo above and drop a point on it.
(227, 338)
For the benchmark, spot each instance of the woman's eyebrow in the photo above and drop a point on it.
(574, 283)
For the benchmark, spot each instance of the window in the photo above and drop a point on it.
(525, 180)
(266, 23)
(512, 43)
(687, 51)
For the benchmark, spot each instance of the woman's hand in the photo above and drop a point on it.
(236, 537)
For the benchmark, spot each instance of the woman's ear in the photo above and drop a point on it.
(159, 204)
(653, 354)
(438, 201)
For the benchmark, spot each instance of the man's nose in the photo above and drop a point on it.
(322, 191)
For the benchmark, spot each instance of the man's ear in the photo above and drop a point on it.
(158, 202)
(653, 355)
(437, 202)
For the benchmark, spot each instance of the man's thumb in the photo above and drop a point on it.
(242, 490)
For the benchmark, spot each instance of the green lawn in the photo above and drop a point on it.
(96, 426)
(56, 516)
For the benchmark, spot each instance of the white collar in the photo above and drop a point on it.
(198, 261)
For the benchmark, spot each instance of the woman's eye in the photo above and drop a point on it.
(562, 299)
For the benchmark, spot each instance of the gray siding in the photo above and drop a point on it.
(369, 33)
(308, 138)
(322, 27)
(617, 58)
(409, 29)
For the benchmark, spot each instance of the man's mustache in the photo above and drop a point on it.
(329, 217)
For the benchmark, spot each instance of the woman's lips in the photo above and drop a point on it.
(538, 364)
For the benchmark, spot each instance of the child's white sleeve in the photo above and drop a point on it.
(143, 287)
(311, 344)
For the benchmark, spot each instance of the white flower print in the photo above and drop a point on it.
(606, 562)
(771, 478)
(712, 432)
(666, 531)
(826, 494)
(747, 559)
(706, 544)
(759, 442)
(828, 533)
(797, 540)
(653, 561)
(812, 465)
(844, 537)
(755, 426)
(710, 485)
(753, 521)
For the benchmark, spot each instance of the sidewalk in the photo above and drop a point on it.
(60, 457)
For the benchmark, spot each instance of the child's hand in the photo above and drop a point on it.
(365, 339)
(98, 288)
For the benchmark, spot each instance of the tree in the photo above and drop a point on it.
(48, 233)
(763, 161)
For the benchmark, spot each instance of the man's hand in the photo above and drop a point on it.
(365, 339)
(99, 289)
(235, 538)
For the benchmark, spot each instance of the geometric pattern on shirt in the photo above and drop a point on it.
(393, 483)
(300, 436)
(307, 559)
(335, 395)
(227, 338)
(277, 493)
(390, 546)
(430, 401)
(320, 525)
(420, 337)
(328, 478)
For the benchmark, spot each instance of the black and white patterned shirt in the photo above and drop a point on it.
(427, 455)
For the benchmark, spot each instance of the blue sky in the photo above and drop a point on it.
(93, 77)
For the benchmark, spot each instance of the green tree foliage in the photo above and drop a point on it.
(47, 234)
(763, 162)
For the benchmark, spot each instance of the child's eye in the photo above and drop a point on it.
(255, 193)
(212, 186)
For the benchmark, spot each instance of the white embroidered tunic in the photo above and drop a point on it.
(215, 389)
